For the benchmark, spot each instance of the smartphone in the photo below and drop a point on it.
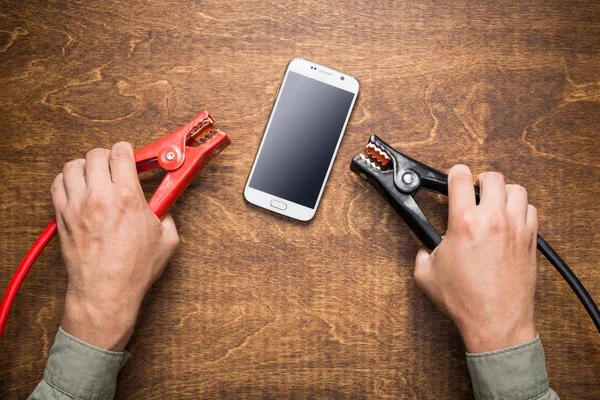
(305, 129)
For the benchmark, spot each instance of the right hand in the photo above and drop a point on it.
(113, 245)
(483, 274)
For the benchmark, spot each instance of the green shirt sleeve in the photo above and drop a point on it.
(517, 372)
(79, 370)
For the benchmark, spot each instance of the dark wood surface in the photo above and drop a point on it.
(259, 306)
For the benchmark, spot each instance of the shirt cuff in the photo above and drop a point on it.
(82, 370)
(517, 372)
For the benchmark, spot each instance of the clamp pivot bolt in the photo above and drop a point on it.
(410, 178)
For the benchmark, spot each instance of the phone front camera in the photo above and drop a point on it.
(342, 78)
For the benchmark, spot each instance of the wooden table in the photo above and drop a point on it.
(259, 306)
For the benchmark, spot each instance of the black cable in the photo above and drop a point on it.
(571, 279)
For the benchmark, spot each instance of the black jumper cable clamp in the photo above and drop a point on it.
(397, 178)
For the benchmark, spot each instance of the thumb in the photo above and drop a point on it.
(423, 268)
(170, 230)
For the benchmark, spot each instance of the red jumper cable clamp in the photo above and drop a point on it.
(182, 154)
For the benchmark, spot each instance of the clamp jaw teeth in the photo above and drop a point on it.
(205, 137)
(376, 157)
(201, 132)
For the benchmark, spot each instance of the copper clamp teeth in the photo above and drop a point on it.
(376, 157)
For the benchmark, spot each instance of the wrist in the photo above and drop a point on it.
(108, 327)
(479, 339)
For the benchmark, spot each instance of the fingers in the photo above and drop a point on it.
(492, 190)
(461, 193)
(97, 168)
(59, 194)
(74, 178)
(516, 203)
(122, 164)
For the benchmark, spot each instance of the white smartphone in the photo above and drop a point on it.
(302, 137)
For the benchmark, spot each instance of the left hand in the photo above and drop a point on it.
(113, 245)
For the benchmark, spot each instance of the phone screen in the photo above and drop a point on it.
(301, 139)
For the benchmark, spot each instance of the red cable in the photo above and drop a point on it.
(32, 255)
(158, 205)
(17, 279)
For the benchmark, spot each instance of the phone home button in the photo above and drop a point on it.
(278, 204)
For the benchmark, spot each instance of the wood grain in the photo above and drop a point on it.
(259, 306)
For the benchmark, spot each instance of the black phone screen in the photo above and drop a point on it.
(301, 139)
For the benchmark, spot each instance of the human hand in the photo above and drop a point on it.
(483, 273)
(113, 245)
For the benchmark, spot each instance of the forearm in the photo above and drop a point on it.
(517, 372)
(76, 369)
